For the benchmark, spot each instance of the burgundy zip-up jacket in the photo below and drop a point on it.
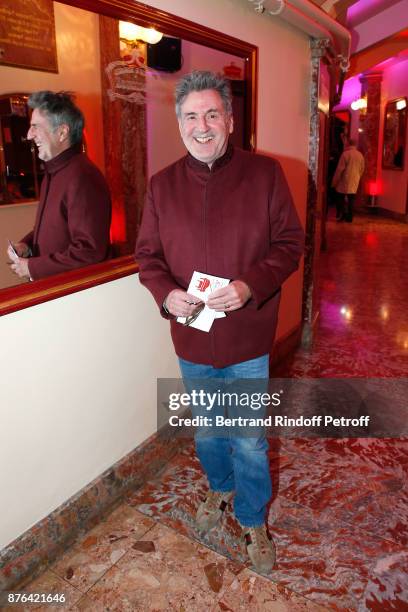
(237, 221)
(73, 218)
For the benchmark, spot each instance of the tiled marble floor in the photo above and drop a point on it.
(340, 510)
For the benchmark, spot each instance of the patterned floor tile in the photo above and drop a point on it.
(329, 562)
(101, 547)
(362, 329)
(167, 571)
(250, 591)
(387, 588)
(319, 550)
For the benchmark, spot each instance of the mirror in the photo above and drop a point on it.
(129, 137)
(395, 125)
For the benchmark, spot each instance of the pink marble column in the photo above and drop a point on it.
(370, 124)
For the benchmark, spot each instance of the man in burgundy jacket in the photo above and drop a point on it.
(225, 212)
(73, 217)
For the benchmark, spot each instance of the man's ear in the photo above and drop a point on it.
(63, 132)
(231, 124)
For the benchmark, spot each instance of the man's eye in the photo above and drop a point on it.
(213, 115)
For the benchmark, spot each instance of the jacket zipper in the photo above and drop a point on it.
(212, 339)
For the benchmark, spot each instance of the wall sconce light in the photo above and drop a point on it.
(401, 104)
(346, 312)
(374, 189)
(131, 33)
(360, 104)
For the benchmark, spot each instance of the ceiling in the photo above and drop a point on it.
(335, 8)
(376, 27)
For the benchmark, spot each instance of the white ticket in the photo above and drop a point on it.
(201, 286)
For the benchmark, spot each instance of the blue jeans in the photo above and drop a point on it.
(234, 463)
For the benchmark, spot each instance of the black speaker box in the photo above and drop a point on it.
(165, 55)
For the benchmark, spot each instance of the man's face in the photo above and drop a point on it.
(204, 125)
(50, 141)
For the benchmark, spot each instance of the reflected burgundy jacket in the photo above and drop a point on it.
(73, 218)
(237, 221)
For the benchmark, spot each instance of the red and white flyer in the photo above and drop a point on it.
(201, 286)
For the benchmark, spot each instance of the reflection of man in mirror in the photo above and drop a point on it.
(399, 157)
(73, 217)
(346, 179)
(225, 212)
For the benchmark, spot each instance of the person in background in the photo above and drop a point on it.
(73, 216)
(229, 213)
(346, 179)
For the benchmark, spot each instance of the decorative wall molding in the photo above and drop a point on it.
(23, 296)
(318, 49)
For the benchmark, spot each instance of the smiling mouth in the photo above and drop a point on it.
(203, 139)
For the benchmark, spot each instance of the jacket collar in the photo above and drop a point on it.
(56, 163)
(200, 166)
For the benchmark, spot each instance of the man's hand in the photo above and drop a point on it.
(179, 303)
(232, 297)
(21, 248)
(20, 267)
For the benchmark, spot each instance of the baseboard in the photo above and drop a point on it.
(392, 214)
(34, 550)
(384, 212)
(285, 346)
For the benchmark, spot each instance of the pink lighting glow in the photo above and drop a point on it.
(391, 61)
(352, 86)
(371, 21)
(364, 9)
(351, 92)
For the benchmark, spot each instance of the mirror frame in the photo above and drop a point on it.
(18, 297)
(384, 164)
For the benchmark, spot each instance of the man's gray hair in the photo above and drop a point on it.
(60, 109)
(199, 80)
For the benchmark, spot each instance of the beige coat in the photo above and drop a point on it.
(349, 171)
